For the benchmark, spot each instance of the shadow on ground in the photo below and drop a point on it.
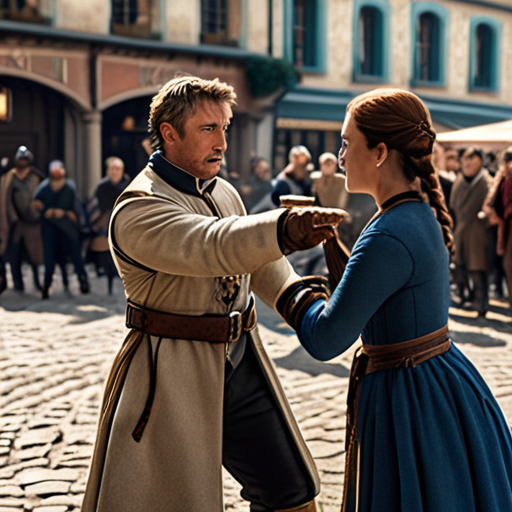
(83, 308)
(498, 318)
(299, 359)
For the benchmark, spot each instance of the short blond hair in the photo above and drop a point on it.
(178, 99)
(324, 157)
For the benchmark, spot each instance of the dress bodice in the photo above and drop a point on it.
(395, 287)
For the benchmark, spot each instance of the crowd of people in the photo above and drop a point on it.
(44, 222)
(477, 189)
(478, 194)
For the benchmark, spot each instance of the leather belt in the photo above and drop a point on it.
(209, 328)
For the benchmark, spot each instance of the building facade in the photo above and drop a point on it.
(455, 54)
(77, 77)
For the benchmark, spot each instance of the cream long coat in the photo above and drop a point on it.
(176, 466)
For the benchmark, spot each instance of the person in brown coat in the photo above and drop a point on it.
(20, 224)
(472, 236)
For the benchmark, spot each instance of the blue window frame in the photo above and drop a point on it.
(370, 63)
(485, 34)
(304, 34)
(430, 33)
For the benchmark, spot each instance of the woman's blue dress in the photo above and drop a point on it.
(432, 438)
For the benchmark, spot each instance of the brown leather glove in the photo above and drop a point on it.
(295, 301)
(303, 228)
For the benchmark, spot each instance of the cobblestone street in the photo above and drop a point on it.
(55, 354)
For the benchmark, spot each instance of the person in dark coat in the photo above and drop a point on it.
(100, 208)
(58, 201)
(293, 179)
(472, 236)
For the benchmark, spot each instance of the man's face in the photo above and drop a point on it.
(328, 167)
(115, 171)
(22, 163)
(452, 161)
(200, 150)
(471, 165)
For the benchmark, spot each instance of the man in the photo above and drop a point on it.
(20, 224)
(100, 208)
(471, 234)
(329, 185)
(58, 202)
(293, 179)
(192, 387)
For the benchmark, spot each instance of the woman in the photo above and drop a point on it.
(429, 435)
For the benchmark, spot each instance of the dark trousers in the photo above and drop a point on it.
(55, 243)
(17, 253)
(258, 449)
(480, 291)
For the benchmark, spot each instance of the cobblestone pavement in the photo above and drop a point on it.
(54, 356)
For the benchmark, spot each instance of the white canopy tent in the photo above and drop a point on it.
(495, 136)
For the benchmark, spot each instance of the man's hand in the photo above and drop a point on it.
(58, 213)
(303, 228)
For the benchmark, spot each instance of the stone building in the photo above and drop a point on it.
(455, 54)
(77, 76)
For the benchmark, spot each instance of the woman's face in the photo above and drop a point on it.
(356, 159)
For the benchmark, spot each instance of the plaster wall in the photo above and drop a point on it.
(458, 54)
(340, 41)
(277, 29)
(92, 16)
(183, 21)
(339, 44)
(257, 26)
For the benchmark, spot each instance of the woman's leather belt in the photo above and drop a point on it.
(369, 359)
(209, 328)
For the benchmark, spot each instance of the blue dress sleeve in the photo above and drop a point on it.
(379, 266)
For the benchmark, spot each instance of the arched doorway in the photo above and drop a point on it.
(45, 121)
(124, 128)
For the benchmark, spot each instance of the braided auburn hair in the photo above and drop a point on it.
(401, 120)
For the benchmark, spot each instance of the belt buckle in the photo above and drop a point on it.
(235, 326)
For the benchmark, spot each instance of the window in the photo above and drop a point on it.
(427, 48)
(221, 22)
(131, 18)
(370, 42)
(305, 34)
(21, 10)
(430, 30)
(214, 17)
(484, 54)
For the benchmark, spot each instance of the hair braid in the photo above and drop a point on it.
(430, 184)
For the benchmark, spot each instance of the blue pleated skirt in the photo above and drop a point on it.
(433, 439)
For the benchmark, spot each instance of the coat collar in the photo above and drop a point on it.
(178, 178)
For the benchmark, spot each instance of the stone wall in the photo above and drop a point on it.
(92, 16)
(340, 41)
